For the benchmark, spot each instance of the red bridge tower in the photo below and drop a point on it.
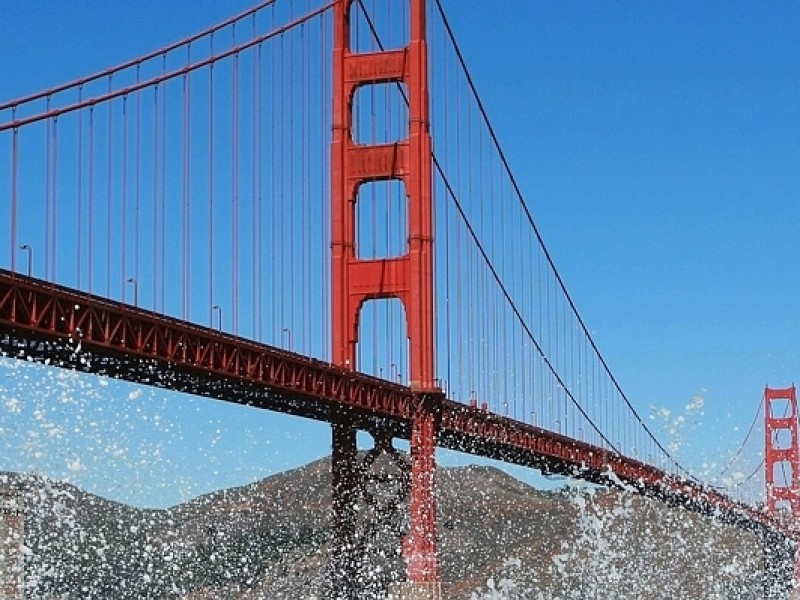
(408, 278)
(781, 455)
(782, 479)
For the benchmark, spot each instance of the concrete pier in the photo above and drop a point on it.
(416, 591)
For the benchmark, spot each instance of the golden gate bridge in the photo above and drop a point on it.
(308, 211)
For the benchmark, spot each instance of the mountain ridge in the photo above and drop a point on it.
(271, 539)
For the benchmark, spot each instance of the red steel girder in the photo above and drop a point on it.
(101, 325)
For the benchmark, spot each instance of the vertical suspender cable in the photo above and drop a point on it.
(235, 193)
(54, 213)
(90, 212)
(254, 194)
(124, 222)
(211, 297)
(369, 135)
(79, 194)
(156, 182)
(47, 194)
(471, 281)
(282, 192)
(14, 193)
(305, 316)
(326, 210)
(465, 375)
(251, 208)
(137, 184)
(460, 375)
(184, 196)
(274, 263)
(109, 178)
(540, 303)
(549, 332)
(259, 167)
(290, 241)
(568, 367)
(162, 234)
(186, 191)
(447, 232)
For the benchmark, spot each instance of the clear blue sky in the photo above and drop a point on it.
(658, 145)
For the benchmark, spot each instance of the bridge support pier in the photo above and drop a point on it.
(779, 566)
(352, 499)
(420, 546)
(343, 561)
(407, 590)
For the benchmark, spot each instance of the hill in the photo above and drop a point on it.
(499, 538)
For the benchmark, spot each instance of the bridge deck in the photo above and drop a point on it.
(81, 331)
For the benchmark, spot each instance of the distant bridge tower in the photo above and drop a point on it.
(782, 478)
(12, 535)
(781, 455)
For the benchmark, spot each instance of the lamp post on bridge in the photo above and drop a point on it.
(288, 333)
(135, 283)
(216, 307)
(29, 251)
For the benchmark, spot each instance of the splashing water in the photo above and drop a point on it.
(615, 544)
(627, 547)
